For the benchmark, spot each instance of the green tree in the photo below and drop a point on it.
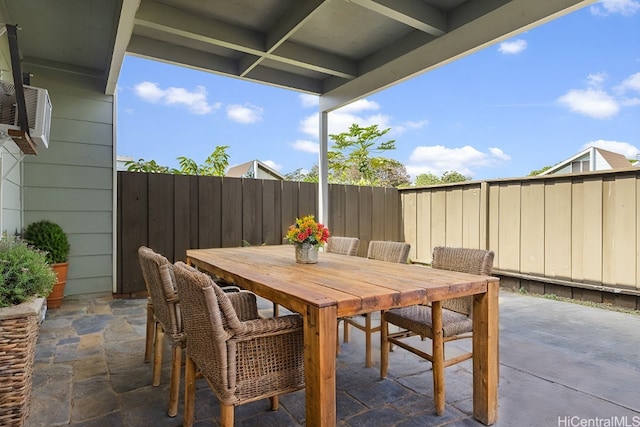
(446, 178)
(148, 167)
(299, 175)
(390, 173)
(453, 176)
(539, 171)
(215, 165)
(427, 179)
(350, 158)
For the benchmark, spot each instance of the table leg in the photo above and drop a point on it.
(320, 335)
(485, 355)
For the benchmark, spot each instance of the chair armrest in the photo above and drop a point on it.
(244, 303)
(269, 326)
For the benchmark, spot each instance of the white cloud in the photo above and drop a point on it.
(596, 80)
(624, 148)
(195, 101)
(306, 146)
(399, 129)
(623, 7)
(631, 83)
(437, 159)
(594, 103)
(358, 106)
(362, 112)
(512, 47)
(309, 100)
(244, 114)
(597, 102)
(273, 165)
(498, 153)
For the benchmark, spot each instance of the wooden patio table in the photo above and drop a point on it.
(339, 286)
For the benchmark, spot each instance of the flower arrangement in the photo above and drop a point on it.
(307, 230)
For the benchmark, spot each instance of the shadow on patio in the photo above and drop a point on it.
(560, 363)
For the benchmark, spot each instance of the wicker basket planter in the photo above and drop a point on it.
(19, 327)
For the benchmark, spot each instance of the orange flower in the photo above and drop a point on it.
(307, 230)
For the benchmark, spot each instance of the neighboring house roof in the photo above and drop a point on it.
(121, 162)
(597, 159)
(253, 169)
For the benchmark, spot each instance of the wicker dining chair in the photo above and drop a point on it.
(243, 357)
(455, 321)
(382, 251)
(166, 318)
(343, 245)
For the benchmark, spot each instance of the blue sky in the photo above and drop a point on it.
(531, 101)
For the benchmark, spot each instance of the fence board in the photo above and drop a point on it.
(251, 211)
(161, 217)
(307, 199)
(209, 212)
(337, 201)
(421, 224)
(471, 217)
(557, 207)
(532, 228)
(186, 215)
(270, 213)
(132, 232)
(509, 222)
(439, 218)
(623, 231)
(379, 228)
(591, 249)
(231, 214)
(289, 205)
(453, 223)
(364, 215)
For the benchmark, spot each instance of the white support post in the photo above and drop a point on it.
(323, 170)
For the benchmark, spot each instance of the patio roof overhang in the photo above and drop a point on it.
(340, 50)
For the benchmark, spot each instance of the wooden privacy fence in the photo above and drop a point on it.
(581, 229)
(173, 213)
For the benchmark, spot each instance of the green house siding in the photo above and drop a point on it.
(71, 182)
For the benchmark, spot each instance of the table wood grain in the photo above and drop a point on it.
(339, 286)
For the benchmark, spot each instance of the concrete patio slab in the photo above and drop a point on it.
(561, 364)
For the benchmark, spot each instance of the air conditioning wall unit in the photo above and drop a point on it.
(38, 112)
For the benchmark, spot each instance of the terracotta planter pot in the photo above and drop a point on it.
(54, 300)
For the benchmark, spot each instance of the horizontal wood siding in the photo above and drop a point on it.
(72, 181)
(172, 213)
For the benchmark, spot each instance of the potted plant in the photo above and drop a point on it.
(25, 278)
(51, 238)
(307, 236)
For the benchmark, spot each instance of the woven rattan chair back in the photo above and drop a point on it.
(162, 291)
(163, 315)
(243, 357)
(454, 316)
(474, 261)
(343, 245)
(389, 251)
(382, 251)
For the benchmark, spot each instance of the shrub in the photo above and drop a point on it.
(49, 237)
(24, 272)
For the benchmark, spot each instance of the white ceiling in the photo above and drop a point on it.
(341, 50)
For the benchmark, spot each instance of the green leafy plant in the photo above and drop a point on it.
(49, 237)
(24, 272)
